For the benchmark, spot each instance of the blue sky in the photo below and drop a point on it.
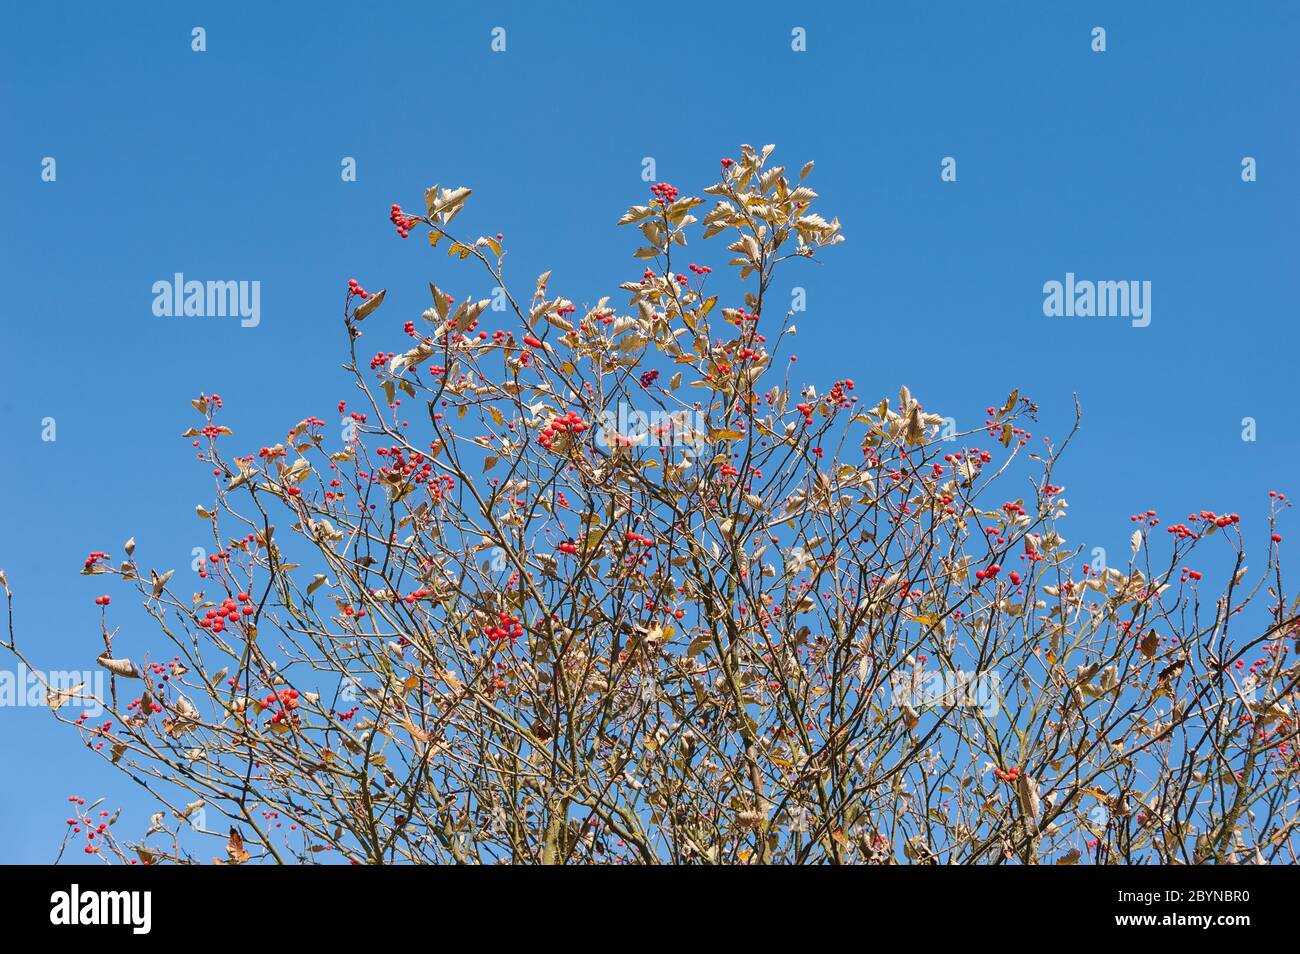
(226, 165)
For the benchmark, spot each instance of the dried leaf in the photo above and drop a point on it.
(235, 848)
(367, 307)
(118, 667)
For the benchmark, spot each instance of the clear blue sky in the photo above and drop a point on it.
(226, 165)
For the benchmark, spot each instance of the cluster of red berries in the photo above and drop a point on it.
(167, 669)
(665, 193)
(700, 269)
(989, 573)
(568, 423)
(975, 455)
(380, 359)
(807, 411)
(838, 393)
(355, 289)
(415, 467)
(101, 600)
(269, 454)
(634, 537)
(569, 547)
(286, 700)
(146, 712)
(93, 558)
(216, 618)
(1219, 520)
(92, 827)
(1010, 775)
(507, 627)
(648, 378)
(403, 222)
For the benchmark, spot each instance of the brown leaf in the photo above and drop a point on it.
(235, 847)
(118, 667)
(369, 305)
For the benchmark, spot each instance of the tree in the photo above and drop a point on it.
(586, 614)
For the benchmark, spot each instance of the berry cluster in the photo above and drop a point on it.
(403, 222)
(415, 467)
(507, 627)
(355, 289)
(664, 193)
(217, 618)
(284, 702)
(568, 423)
(82, 820)
(145, 711)
(838, 393)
